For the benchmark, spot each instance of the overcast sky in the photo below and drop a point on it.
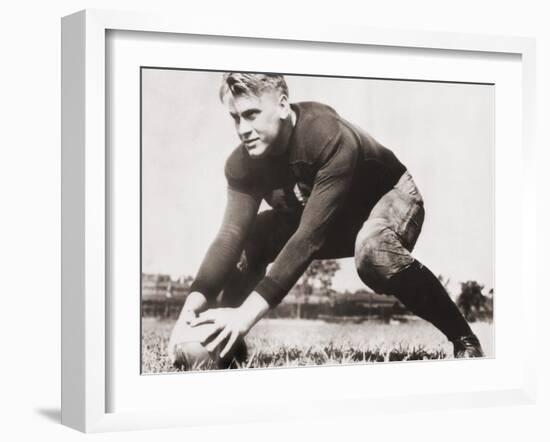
(443, 133)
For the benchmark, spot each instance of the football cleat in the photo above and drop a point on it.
(467, 347)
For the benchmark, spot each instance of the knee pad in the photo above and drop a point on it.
(379, 254)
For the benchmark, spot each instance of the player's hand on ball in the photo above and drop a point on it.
(194, 303)
(188, 315)
(228, 325)
(213, 339)
(179, 333)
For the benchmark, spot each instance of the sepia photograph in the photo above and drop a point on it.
(305, 220)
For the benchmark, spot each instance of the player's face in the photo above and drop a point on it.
(258, 120)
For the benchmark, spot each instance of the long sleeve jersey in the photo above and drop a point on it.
(333, 166)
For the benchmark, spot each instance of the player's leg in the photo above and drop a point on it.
(384, 263)
(271, 232)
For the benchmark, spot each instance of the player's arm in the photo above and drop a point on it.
(220, 259)
(225, 250)
(337, 163)
(223, 255)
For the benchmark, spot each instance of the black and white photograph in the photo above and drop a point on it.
(306, 220)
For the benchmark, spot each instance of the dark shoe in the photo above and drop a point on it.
(467, 347)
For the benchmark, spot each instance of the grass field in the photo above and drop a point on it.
(292, 342)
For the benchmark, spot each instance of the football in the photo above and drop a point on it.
(189, 354)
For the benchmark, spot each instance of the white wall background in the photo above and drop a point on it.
(30, 221)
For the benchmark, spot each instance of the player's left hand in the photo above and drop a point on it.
(231, 324)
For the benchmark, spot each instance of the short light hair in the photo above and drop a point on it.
(238, 83)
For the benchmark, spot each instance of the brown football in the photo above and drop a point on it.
(190, 354)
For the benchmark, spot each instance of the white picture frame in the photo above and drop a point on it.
(86, 206)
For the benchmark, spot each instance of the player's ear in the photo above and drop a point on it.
(284, 107)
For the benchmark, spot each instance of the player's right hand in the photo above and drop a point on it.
(194, 304)
(187, 316)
